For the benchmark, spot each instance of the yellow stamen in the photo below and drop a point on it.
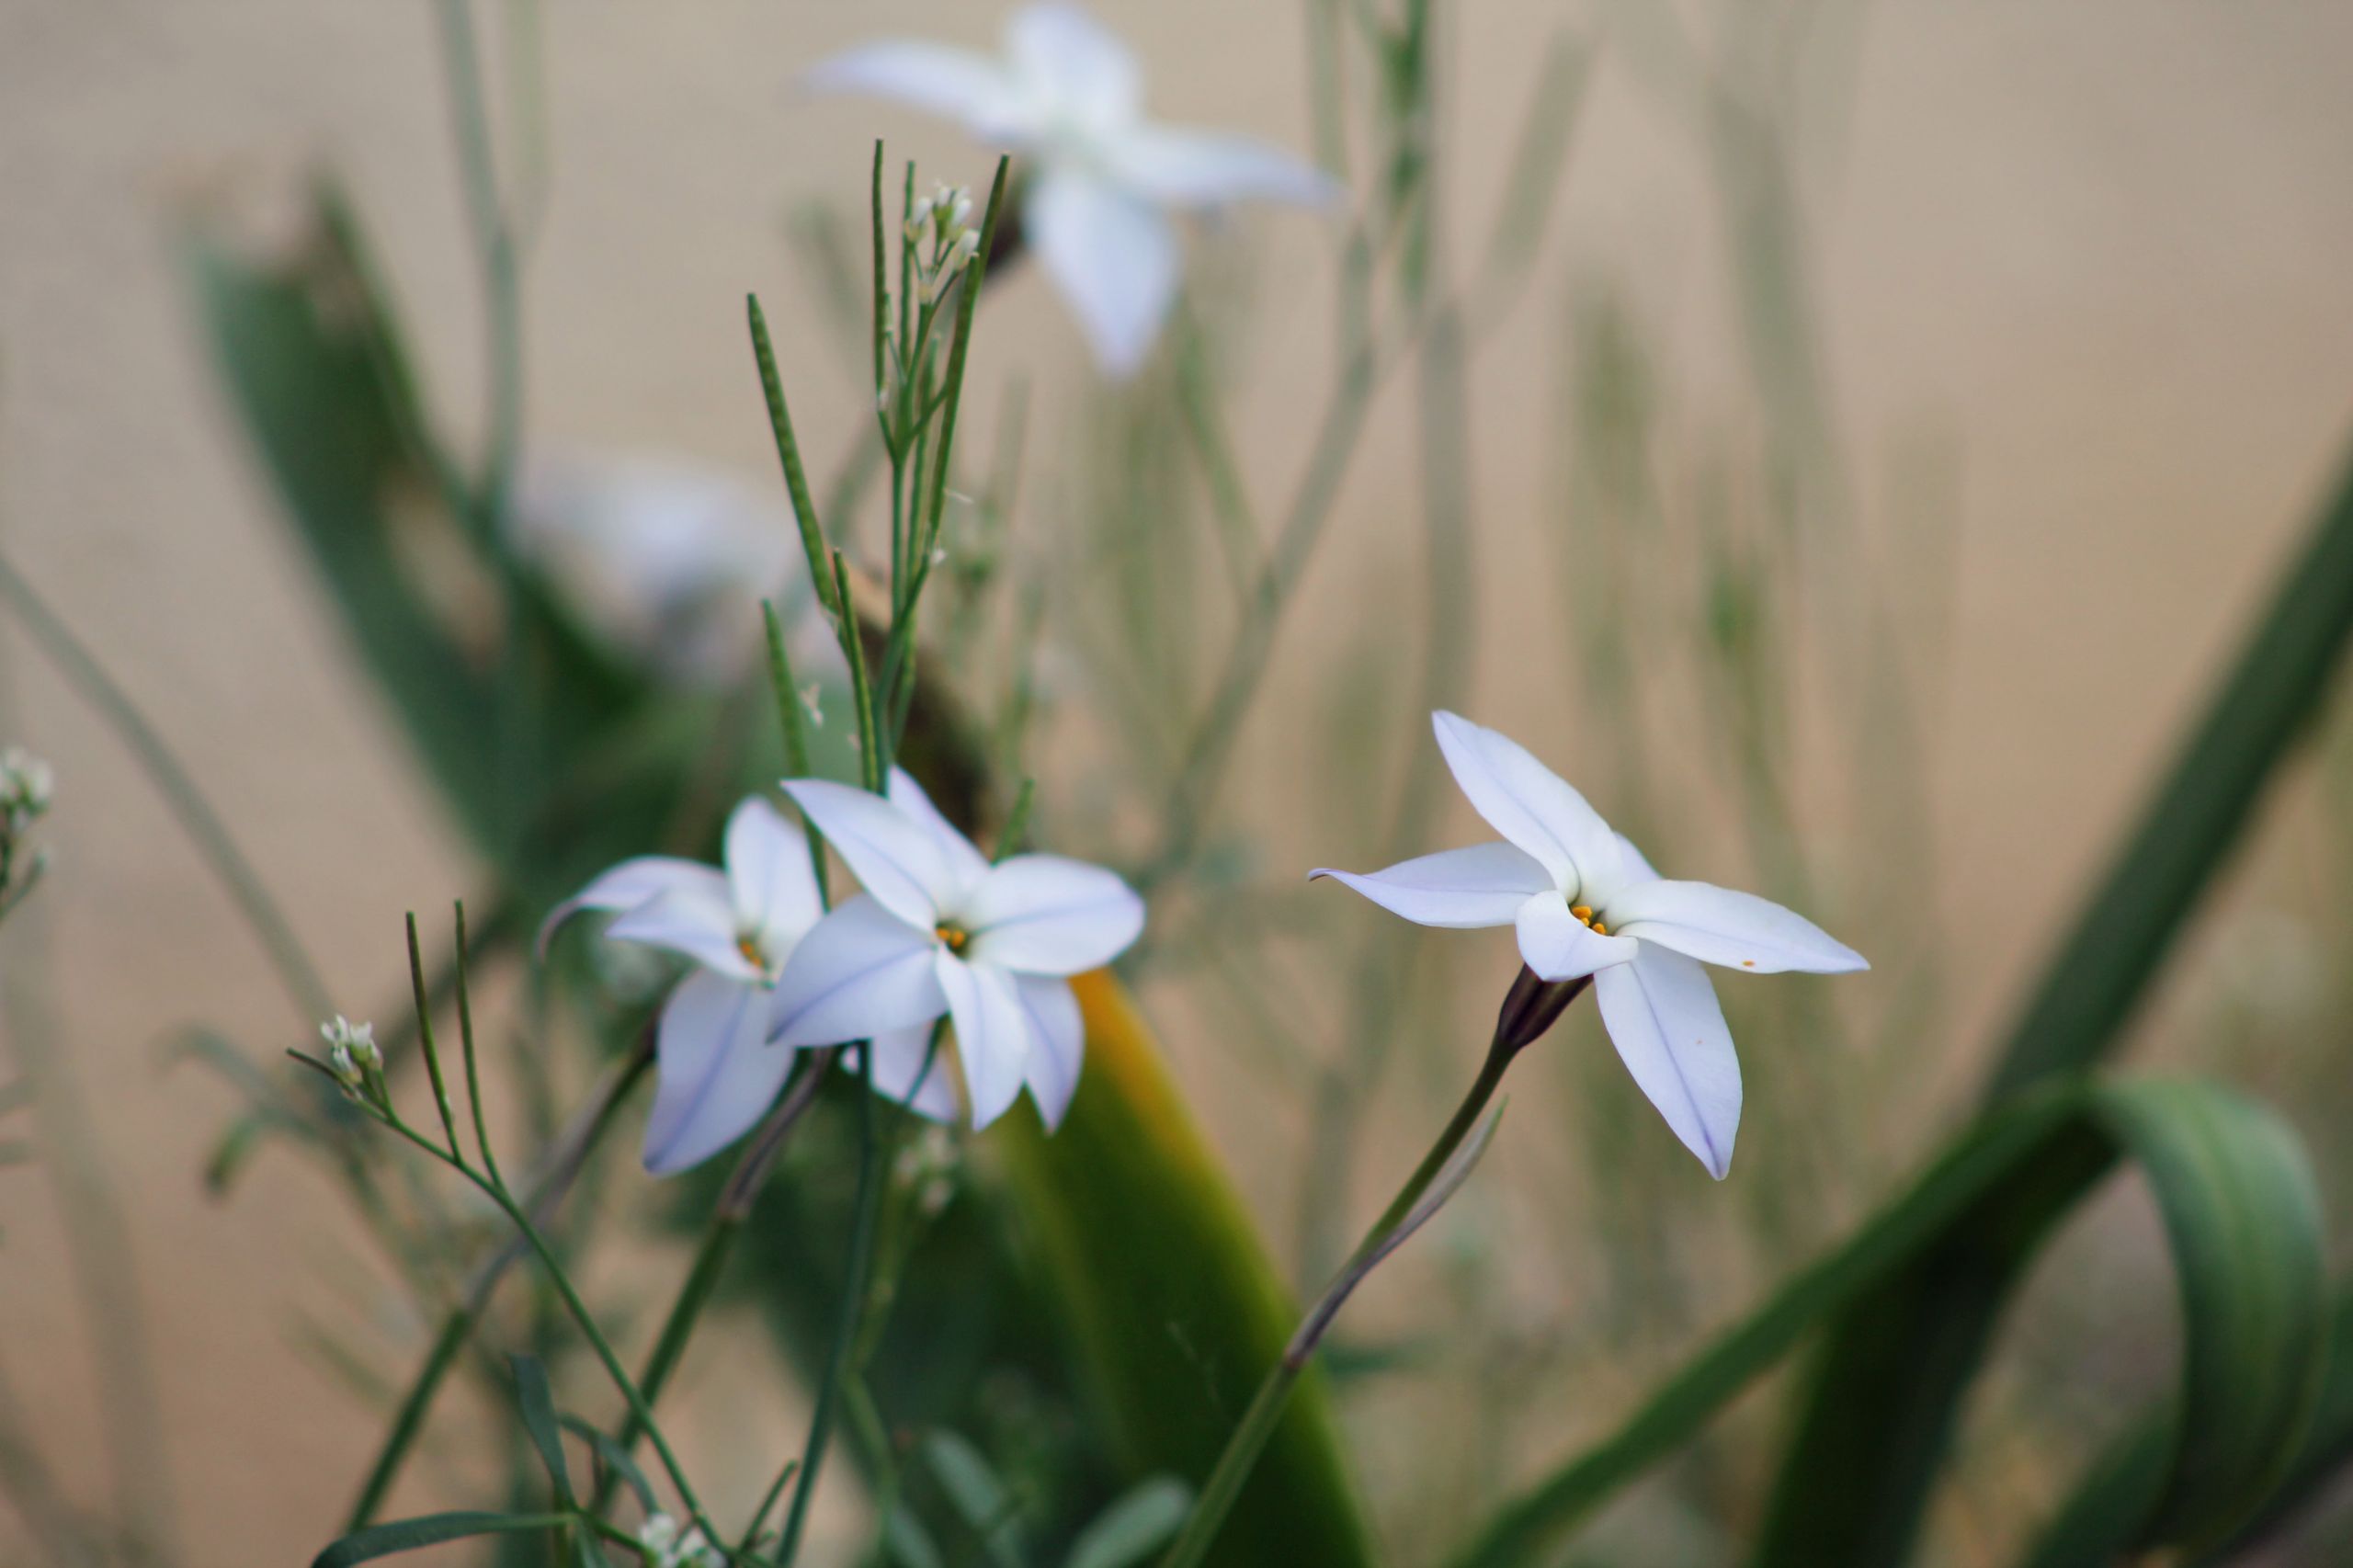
(751, 951)
(956, 936)
(1582, 912)
(1600, 929)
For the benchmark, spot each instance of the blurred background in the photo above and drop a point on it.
(1900, 415)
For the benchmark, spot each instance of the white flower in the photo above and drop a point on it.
(1066, 96)
(667, 560)
(716, 1073)
(666, 1546)
(1586, 903)
(939, 930)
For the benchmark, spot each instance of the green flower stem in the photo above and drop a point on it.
(1258, 1424)
(854, 1292)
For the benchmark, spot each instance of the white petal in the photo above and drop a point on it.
(1484, 885)
(1113, 255)
(991, 1033)
(1663, 1016)
(954, 83)
(1532, 806)
(893, 854)
(861, 971)
(1206, 169)
(691, 923)
(1049, 914)
(966, 865)
(1057, 1045)
(905, 1064)
(770, 878)
(633, 882)
(1064, 58)
(714, 1074)
(1559, 945)
(1737, 930)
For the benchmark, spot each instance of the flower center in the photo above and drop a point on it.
(1585, 912)
(955, 936)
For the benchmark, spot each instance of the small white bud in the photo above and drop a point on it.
(347, 1072)
(809, 695)
(349, 1043)
(658, 1533)
(25, 785)
(939, 555)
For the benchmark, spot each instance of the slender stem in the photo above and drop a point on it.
(567, 1159)
(787, 451)
(296, 973)
(854, 1292)
(495, 240)
(425, 1045)
(1259, 1422)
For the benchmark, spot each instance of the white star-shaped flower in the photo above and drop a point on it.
(1586, 903)
(1066, 97)
(715, 1073)
(940, 930)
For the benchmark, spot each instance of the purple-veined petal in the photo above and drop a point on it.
(860, 972)
(690, 923)
(1209, 169)
(1057, 1044)
(1065, 60)
(893, 854)
(1559, 945)
(714, 1074)
(637, 881)
(1663, 1016)
(1736, 930)
(769, 875)
(905, 1064)
(1532, 806)
(1050, 914)
(953, 83)
(1113, 255)
(1484, 885)
(966, 866)
(993, 1041)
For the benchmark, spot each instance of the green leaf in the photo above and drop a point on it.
(1174, 1311)
(430, 1530)
(980, 1499)
(613, 1456)
(1135, 1526)
(1885, 1395)
(538, 1407)
(2244, 1220)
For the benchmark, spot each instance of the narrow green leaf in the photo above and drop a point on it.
(537, 1407)
(430, 1530)
(614, 1458)
(1143, 1521)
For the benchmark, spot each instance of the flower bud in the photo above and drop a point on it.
(1531, 1006)
(25, 784)
(351, 1045)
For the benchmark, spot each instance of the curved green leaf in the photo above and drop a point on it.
(2239, 1209)
(1887, 1393)
(537, 1402)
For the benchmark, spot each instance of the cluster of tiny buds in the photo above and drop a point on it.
(947, 213)
(351, 1052)
(25, 784)
(667, 1546)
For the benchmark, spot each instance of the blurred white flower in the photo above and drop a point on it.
(1586, 903)
(1067, 97)
(716, 1073)
(26, 782)
(669, 561)
(940, 930)
(668, 1546)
